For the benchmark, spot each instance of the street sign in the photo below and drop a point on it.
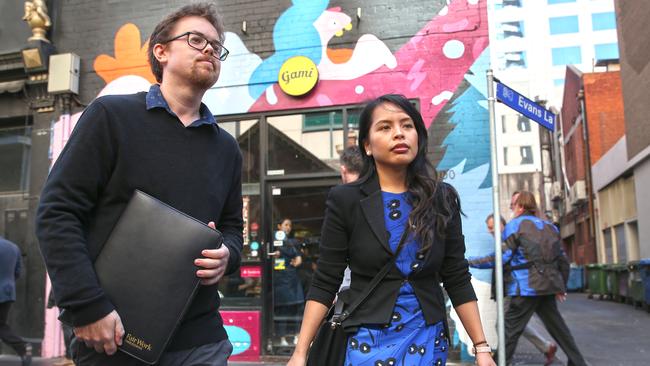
(525, 106)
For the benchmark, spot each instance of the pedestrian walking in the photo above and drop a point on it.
(539, 271)
(164, 142)
(545, 346)
(397, 200)
(10, 268)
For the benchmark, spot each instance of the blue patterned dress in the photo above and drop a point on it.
(407, 340)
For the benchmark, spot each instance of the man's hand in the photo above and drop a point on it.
(214, 263)
(561, 297)
(103, 335)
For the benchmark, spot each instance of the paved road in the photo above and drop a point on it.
(608, 334)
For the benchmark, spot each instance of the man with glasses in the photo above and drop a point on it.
(166, 143)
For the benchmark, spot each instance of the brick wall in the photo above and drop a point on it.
(605, 113)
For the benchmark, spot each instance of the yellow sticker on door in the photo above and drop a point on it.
(279, 264)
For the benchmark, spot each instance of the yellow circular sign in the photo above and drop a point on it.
(298, 75)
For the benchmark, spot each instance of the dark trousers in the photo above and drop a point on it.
(519, 313)
(6, 334)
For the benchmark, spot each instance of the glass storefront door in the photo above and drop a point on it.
(296, 210)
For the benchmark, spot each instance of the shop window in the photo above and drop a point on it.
(603, 21)
(566, 56)
(553, 2)
(15, 143)
(607, 51)
(564, 25)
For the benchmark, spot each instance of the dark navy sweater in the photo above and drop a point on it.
(118, 146)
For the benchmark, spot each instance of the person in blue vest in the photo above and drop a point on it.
(539, 271)
(10, 264)
(545, 346)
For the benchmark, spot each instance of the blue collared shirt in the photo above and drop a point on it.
(155, 99)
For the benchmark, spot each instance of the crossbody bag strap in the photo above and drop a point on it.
(376, 280)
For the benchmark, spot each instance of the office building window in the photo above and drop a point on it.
(607, 51)
(510, 29)
(514, 59)
(523, 124)
(558, 82)
(603, 21)
(566, 56)
(564, 25)
(552, 2)
(517, 155)
(500, 4)
(526, 153)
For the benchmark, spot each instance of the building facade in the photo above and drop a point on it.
(635, 80)
(434, 53)
(532, 42)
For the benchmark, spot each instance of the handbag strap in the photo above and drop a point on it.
(375, 281)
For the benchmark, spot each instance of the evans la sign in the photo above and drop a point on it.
(525, 106)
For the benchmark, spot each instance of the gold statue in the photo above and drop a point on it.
(37, 18)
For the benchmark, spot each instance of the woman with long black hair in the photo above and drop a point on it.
(403, 321)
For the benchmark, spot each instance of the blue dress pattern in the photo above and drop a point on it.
(407, 340)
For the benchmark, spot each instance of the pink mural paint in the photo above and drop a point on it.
(446, 47)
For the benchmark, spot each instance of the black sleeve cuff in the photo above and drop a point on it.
(234, 260)
(322, 296)
(461, 295)
(87, 314)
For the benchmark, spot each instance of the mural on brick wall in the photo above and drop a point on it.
(442, 65)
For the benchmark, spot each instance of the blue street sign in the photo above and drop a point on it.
(525, 106)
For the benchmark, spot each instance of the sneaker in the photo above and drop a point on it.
(283, 342)
(550, 354)
(27, 357)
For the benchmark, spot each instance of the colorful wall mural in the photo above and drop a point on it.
(442, 65)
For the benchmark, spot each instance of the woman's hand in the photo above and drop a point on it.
(297, 360)
(484, 359)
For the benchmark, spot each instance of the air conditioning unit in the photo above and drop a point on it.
(556, 191)
(578, 192)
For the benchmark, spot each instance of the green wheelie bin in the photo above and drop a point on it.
(596, 280)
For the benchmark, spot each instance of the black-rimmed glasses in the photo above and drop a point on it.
(199, 42)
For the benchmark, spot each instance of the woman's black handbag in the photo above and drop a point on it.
(329, 345)
(331, 340)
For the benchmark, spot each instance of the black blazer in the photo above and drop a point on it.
(354, 234)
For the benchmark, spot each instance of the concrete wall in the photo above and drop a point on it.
(642, 182)
(635, 75)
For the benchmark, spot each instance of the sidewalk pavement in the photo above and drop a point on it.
(607, 333)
